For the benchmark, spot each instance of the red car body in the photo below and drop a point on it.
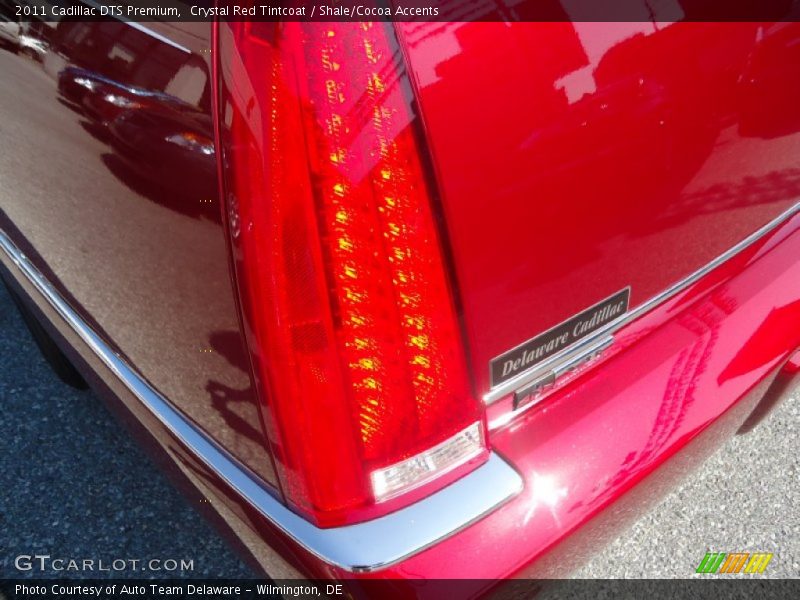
(568, 162)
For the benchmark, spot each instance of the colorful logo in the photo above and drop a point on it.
(737, 562)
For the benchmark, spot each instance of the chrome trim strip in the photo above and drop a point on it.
(532, 393)
(538, 370)
(362, 547)
(139, 26)
(154, 34)
(584, 357)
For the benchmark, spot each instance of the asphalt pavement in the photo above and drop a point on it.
(74, 485)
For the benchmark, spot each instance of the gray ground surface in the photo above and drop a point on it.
(746, 498)
(73, 484)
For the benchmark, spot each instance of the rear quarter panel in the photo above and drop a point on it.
(125, 225)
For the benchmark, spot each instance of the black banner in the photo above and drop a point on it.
(404, 10)
(710, 588)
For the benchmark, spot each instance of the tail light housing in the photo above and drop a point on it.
(347, 302)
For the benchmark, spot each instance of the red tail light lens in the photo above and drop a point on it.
(344, 287)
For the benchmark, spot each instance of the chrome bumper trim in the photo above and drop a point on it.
(537, 371)
(362, 547)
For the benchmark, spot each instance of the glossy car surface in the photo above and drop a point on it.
(570, 161)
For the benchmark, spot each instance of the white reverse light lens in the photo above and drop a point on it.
(419, 469)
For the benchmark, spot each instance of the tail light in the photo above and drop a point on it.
(347, 302)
